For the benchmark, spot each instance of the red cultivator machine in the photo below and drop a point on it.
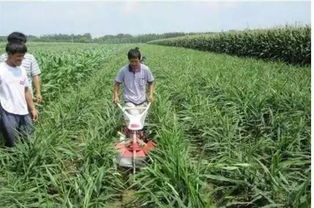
(134, 147)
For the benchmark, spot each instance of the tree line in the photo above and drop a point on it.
(87, 38)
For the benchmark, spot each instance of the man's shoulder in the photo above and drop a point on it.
(124, 68)
(29, 56)
(3, 68)
(145, 68)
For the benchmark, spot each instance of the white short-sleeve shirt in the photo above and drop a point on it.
(13, 81)
(29, 63)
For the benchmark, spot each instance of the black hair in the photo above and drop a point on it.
(134, 53)
(15, 47)
(17, 37)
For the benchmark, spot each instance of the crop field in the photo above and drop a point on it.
(230, 132)
(290, 44)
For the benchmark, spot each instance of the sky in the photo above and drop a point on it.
(142, 17)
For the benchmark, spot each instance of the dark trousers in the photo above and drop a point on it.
(13, 126)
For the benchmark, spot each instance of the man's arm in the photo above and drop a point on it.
(30, 104)
(35, 73)
(37, 83)
(116, 92)
(151, 89)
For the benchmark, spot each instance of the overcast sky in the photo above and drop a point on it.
(141, 17)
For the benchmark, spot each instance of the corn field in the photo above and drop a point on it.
(289, 44)
(230, 132)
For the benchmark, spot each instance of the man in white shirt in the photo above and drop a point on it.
(17, 109)
(29, 63)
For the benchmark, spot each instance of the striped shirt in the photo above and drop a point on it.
(29, 63)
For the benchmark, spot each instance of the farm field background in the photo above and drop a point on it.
(231, 132)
